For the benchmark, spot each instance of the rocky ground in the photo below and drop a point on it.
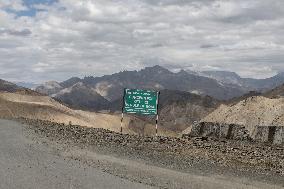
(263, 162)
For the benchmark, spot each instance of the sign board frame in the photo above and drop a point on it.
(142, 102)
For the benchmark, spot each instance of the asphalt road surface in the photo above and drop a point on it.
(30, 163)
(27, 165)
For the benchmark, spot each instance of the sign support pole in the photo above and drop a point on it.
(157, 116)
(121, 120)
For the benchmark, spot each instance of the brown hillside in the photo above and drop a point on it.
(14, 105)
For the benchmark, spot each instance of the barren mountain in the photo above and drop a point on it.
(178, 110)
(155, 78)
(6, 86)
(28, 85)
(247, 84)
(81, 96)
(251, 112)
(159, 78)
(277, 92)
(230, 78)
(223, 77)
(70, 82)
(49, 88)
(263, 85)
(222, 85)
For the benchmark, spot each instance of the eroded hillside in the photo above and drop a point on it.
(251, 112)
(45, 108)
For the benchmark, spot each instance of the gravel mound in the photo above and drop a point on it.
(178, 153)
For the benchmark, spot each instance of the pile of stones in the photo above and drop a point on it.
(180, 153)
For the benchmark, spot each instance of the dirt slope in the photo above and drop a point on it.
(45, 108)
(250, 112)
(13, 105)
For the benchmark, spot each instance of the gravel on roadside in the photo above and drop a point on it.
(203, 154)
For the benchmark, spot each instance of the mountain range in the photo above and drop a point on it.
(155, 78)
(100, 92)
(247, 84)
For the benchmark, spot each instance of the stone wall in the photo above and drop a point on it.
(270, 134)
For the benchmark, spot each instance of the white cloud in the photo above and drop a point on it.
(16, 5)
(96, 37)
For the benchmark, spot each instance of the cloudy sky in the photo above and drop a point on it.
(55, 39)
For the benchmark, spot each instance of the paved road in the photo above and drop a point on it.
(29, 165)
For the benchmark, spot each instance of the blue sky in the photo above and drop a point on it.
(31, 11)
(44, 40)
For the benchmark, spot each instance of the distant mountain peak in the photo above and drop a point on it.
(8, 86)
(183, 72)
(280, 74)
(225, 77)
(156, 68)
(70, 82)
(222, 73)
(52, 83)
(6, 82)
(79, 84)
(192, 72)
(49, 87)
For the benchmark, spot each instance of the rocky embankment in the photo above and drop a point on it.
(178, 153)
(251, 112)
(266, 134)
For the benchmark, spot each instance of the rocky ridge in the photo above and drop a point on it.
(6, 86)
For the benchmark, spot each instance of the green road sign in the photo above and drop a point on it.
(138, 101)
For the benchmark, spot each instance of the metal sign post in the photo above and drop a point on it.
(121, 120)
(157, 116)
